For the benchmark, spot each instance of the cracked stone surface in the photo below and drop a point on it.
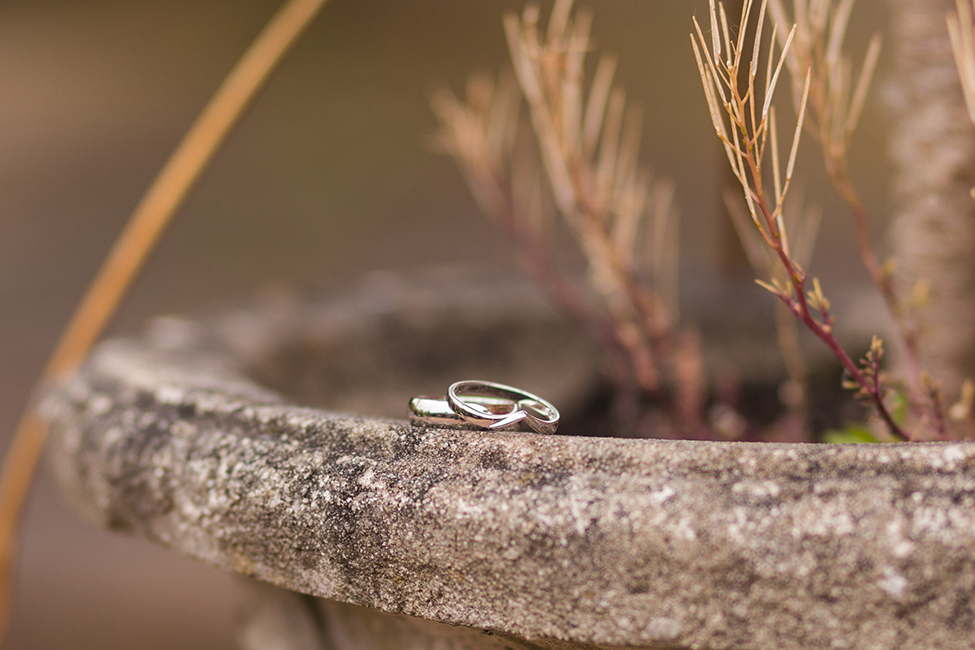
(540, 540)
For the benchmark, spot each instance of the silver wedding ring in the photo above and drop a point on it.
(486, 405)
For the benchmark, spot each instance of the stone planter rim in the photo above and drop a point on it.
(611, 542)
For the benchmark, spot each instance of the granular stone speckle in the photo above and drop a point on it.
(598, 541)
(545, 540)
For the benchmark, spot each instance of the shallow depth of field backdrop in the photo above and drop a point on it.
(328, 177)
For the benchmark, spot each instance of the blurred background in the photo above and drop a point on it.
(328, 177)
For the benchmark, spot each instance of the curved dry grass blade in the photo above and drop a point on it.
(968, 37)
(776, 175)
(771, 58)
(716, 72)
(789, 168)
(709, 81)
(960, 32)
(131, 250)
(709, 93)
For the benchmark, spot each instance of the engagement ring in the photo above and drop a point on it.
(486, 405)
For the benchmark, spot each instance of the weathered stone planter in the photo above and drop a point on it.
(548, 541)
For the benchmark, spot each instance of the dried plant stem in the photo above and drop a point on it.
(588, 149)
(481, 134)
(869, 385)
(836, 105)
(746, 128)
(581, 164)
(129, 253)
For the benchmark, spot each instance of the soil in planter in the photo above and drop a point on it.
(758, 403)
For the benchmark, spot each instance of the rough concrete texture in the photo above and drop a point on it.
(540, 539)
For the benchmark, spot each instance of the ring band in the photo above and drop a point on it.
(486, 405)
(437, 411)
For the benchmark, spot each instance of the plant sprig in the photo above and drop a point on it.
(588, 145)
(582, 164)
(836, 103)
(745, 123)
(482, 133)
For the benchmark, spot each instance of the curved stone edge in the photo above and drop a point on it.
(602, 541)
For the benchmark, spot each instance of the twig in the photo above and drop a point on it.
(746, 133)
(836, 105)
(586, 141)
(129, 253)
(588, 150)
(483, 135)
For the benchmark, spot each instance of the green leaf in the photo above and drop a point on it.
(899, 406)
(854, 434)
